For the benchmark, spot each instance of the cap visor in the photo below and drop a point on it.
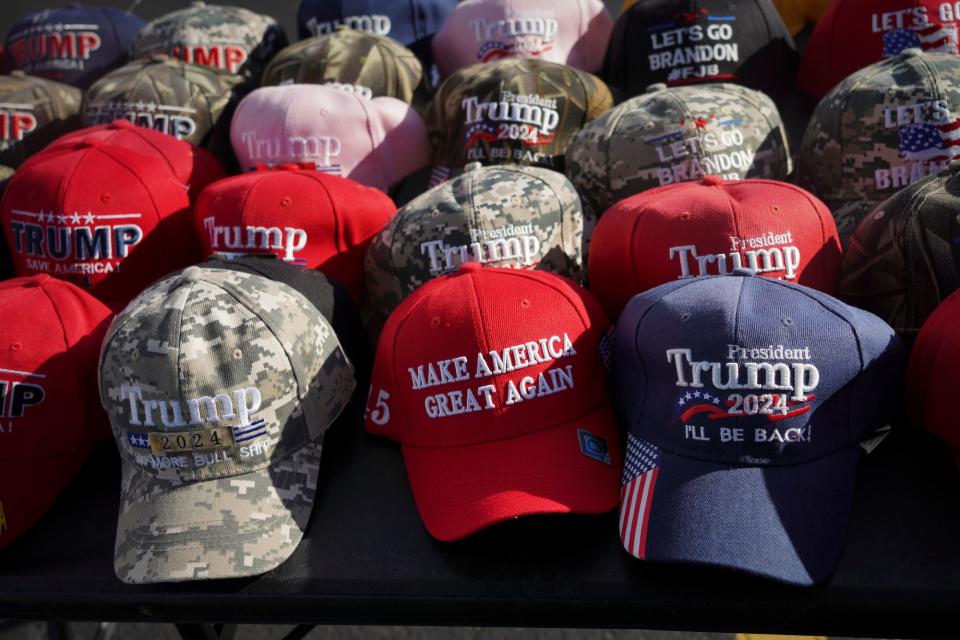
(786, 523)
(225, 528)
(460, 490)
(28, 488)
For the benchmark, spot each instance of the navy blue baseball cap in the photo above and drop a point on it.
(74, 45)
(746, 399)
(412, 23)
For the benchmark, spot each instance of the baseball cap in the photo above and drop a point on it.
(307, 218)
(494, 383)
(74, 45)
(232, 39)
(574, 33)
(881, 129)
(503, 216)
(191, 165)
(331, 299)
(33, 112)
(746, 399)
(106, 218)
(412, 24)
(678, 43)
(930, 376)
(677, 134)
(230, 411)
(513, 111)
(6, 266)
(48, 415)
(797, 14)
(902, 259)
(712, 227)
(186, 101)
(375, 141)
(372, 65)
(856, 33)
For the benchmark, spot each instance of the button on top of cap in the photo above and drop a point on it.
(912, 52)
(122, 123)
(711, 181)
(191, 274)
(472, 166)
(656, 86)
(37, 280)
(470, 267)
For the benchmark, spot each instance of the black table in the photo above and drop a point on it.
(366, 558)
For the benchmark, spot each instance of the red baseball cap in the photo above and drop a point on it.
(711, 227)
(931, 375)
(494, 381)
(107, 218)
(853, 34)
(192, 165)
(306, 217)
(49, 408)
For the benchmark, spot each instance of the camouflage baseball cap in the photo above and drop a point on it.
(512, 111)
(372, 65)
(232, 39)
(879, 130)
(219, 386)
(503, 216)
(674, 135)
(184, 100)
(34, 112)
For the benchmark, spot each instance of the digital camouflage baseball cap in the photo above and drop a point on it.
(232, 39)
(880, 130)
(219, 386)
(503, 216)
(512, 111)
(183, 100)
(34, 112)
(369, 64)
(675, 135)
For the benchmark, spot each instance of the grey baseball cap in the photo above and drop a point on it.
(219, 386)
(677, 134)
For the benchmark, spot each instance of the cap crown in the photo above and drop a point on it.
(881, 129)
(33, 112)
(372, 65)
(232, 39)
(512, 111)
(207, 360)
(674, 135)
(75, 44)
(179, 99)
(751, 371)
(488, 354)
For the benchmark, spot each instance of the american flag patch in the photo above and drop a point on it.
(640, 470)
(930, 143)
(940, 38)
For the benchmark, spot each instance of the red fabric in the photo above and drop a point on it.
(631, 247)
(849, 36)
(194, 166)
(127, 193)
(473, 469)
(339, 218)
(50, 411)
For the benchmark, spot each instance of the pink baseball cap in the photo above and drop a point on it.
(373, 141)
(574, 32)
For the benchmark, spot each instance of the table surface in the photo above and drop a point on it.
(366, 558)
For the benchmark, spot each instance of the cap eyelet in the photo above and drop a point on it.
(435, 322)
(775, 208)
(879, 215)
(684, 317)
(16, 346)
(285, 201)
(135, 355)
(435, 213)
(684, 215)
(105, 197)
(524, 303)
(788, 322)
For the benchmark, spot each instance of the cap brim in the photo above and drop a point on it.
(786, 523)
(225, 528)
(460, 490)
(28, 488)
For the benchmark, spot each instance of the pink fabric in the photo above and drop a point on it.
(573, 32)
(376, 142)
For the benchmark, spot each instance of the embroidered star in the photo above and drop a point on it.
(75, 218)
(89, 219)
(140, 105)
(680, 402)
(689, 17)
(688, 396)
(701, 123)
(151, 106)
(61, 219)
(696, 394)
(716, 400)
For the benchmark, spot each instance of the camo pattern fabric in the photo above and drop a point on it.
(36, 112)
(880, 130)
(232, 39)
(179, 99)
(219, 386)
(503, 216)
(675, 135)
(369, 64)
(902, 260)
(512, 111)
